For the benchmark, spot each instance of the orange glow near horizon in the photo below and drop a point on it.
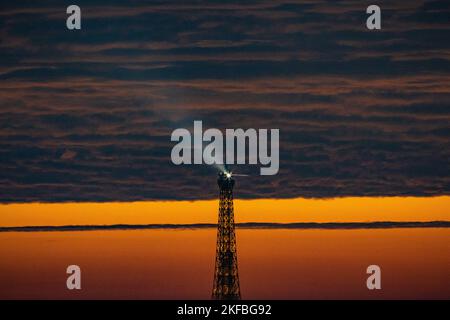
(350, 209)
(273, 264)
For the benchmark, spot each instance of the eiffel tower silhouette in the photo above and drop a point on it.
(226, 278)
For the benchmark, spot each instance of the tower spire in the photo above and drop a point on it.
(226, 278)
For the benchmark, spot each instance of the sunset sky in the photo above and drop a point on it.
(86, 116)
(87, 179)
(349, 209)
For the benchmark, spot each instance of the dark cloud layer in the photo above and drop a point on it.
(244, 225)
(87, 115)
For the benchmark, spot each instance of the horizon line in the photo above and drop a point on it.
(243, 225)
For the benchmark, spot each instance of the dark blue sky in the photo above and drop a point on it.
(87, 115)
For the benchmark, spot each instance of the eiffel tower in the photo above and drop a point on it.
(226, 278)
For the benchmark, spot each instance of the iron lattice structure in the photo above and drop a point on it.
(226, 278)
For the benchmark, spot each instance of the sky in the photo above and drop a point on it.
(87, 115)
(298, 210)
(273, 264)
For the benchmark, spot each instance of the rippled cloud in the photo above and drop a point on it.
(87, 115)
